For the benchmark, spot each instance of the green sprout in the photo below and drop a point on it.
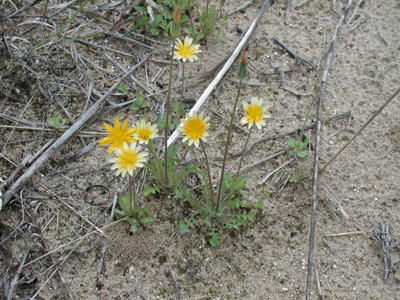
(55, 120)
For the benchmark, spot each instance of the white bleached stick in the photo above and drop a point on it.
(221, 73)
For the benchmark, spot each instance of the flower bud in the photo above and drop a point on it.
(243, 57)
(176, 26)
(242, 70)
(177, 14)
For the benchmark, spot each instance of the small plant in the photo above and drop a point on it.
(231, 214)
(140, 102)
(208, 21)
(126, 160)
(161, 21)
(134, 217)
(299, 175)
(297, 146)
(216, 210)
(55, 120)
(226, 208)
(123, 88)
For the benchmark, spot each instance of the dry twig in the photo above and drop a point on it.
(382, 236)
(66, 136)
(317, 147)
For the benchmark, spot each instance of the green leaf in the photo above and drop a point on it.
(143, 117)
(123, 88)
(212, 11)
(134, 227)
(161, 123)
(302, 154)
(214, 238)
(291, 144)
(151, 190)
(185, 225)
(183, 228)
(120, 212)
(154, 31)
(139, 96)
(259, 204)
(139, 8)
(184, 18)
(146, 220)
(55, 120)
(145, 209)
(134, 106)
(304, 143)
(316, 92)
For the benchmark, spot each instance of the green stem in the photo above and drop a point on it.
(209, 175)
(65, 25)
(244, 150)
(308, 113)
(130, 192)
(167, 117)
(179, 162)
(191, 21)
(183, 82)
(227, 145)
(134, 196)
(157, 160)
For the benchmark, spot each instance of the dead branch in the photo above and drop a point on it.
(317, 147)
(224, 69)
(65, 137)
(175, 284)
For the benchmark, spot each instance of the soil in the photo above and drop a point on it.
(267, 258)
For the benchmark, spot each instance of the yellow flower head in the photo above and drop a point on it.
(145, 132)
(186, 50)
(254, 113)
(117, 136)
(128, 159)
(194, 128)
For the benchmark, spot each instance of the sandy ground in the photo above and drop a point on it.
(267, 259)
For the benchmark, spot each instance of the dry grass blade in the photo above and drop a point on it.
(71, 242)
(14, 282)
(66, 136)
(337, 207)
(361, 129)
(71, 208)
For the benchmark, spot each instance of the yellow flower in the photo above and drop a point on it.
(194, 128)
(254, 113)
(145, 132)
(128, 159)
(186, 50)
(117, 136)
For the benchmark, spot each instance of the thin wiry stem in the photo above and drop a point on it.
(167, 117)
(179, 162)
(130, 192)
(244, 150)
(209, 174)
(134, 196)
(157, 160)
(227, 145)
(183, 83)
